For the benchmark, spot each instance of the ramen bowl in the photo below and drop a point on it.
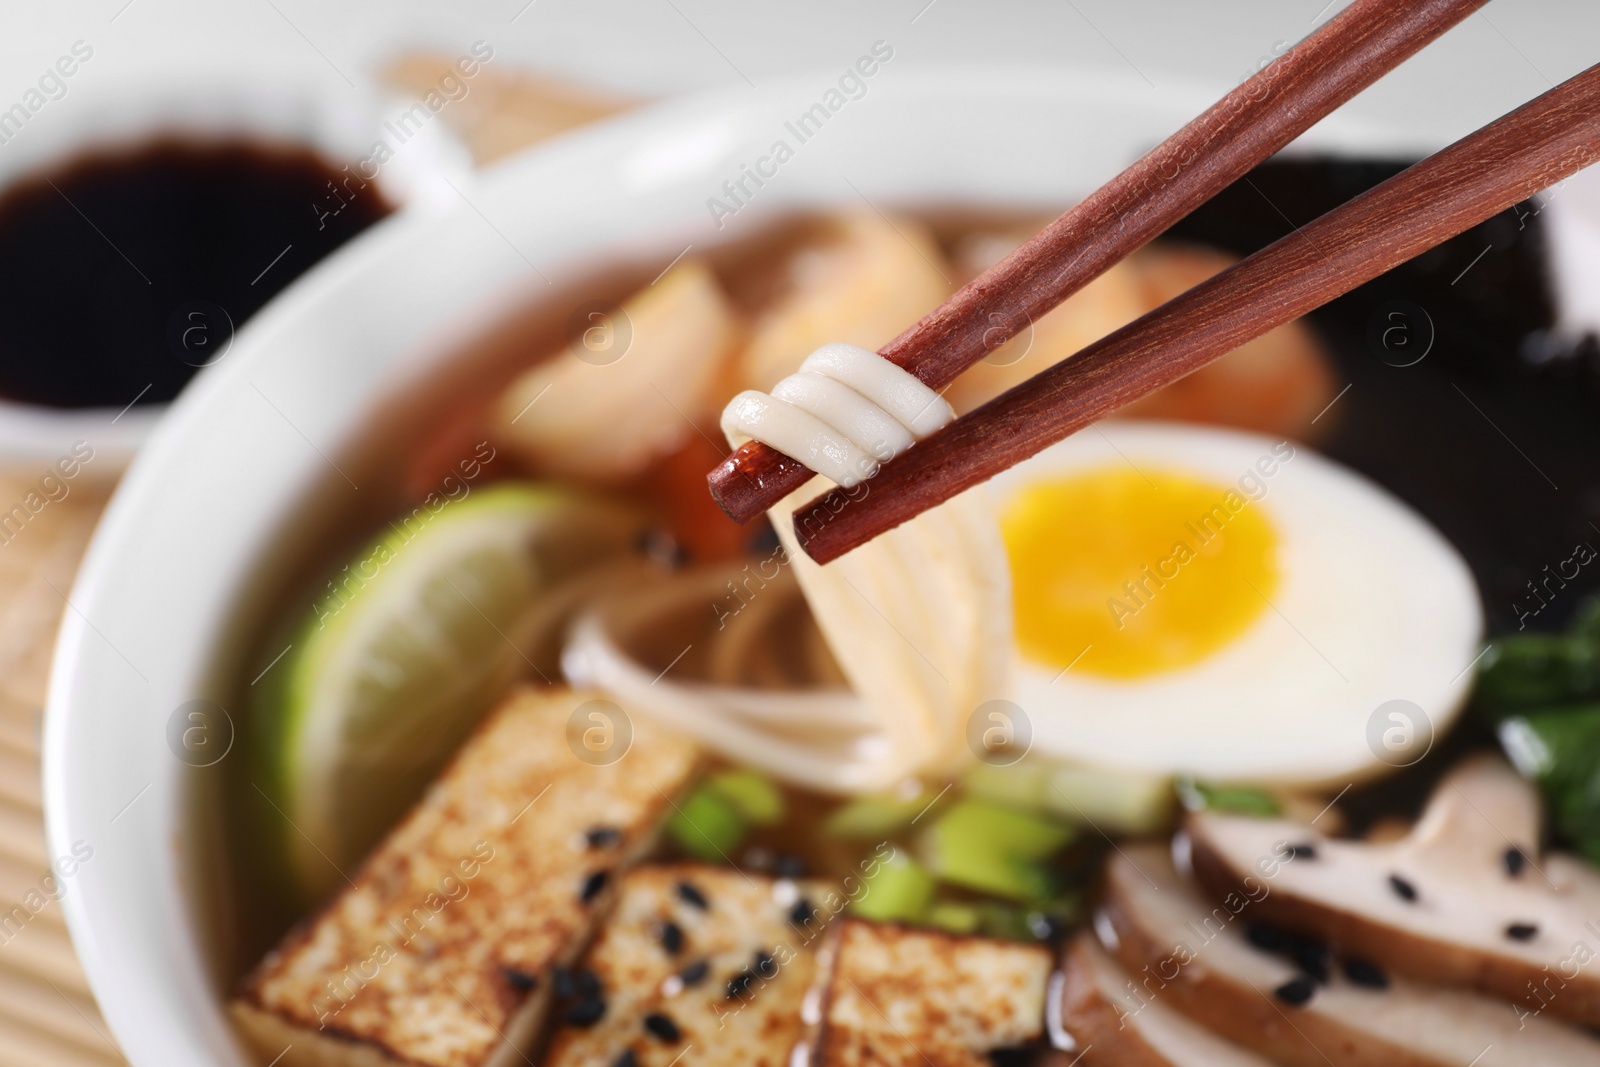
(304, 433)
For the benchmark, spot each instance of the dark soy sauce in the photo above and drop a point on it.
(123, 273)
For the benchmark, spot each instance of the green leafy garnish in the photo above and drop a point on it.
(1560, 749)
(1538, 670)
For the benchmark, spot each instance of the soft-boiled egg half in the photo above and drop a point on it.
(1196, 600)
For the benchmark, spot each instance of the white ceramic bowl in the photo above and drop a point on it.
(259, 461)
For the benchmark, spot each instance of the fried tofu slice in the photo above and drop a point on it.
(441, 951)
(902, 997)
(695, 957)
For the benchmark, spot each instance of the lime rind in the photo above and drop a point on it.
(410, 644)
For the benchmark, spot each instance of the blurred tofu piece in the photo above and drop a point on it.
(901, 997)
(442, 950)
(695, 957)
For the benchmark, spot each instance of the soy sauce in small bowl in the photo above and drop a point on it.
(124, 271)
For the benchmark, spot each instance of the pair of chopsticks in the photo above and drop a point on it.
(1532, 148)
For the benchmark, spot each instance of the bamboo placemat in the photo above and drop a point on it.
(47, 1015)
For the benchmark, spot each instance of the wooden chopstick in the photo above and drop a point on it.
(1255, 120)
(1487, 172)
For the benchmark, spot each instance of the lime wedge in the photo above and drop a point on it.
(410, 644)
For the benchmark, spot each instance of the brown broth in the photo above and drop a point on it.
(1404, 427)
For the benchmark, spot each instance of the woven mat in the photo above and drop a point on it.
(47, 1015)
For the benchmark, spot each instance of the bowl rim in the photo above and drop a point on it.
(151, 982)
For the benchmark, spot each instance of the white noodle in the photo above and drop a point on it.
(846, 410)
(918, 620)
(797, 434)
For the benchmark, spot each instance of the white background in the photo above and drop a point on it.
(1501, 56)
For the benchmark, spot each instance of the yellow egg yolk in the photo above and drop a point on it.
(1135, 571)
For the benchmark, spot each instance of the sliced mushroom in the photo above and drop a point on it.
(1112, 1021)
(1293, 1002)
(1464, 899)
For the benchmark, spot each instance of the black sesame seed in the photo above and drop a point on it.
(626, 1058)
(603, 837)
(587, 1011)
(1018, 1056)
(765, 965)
(564, 982)
(671, 937)
(1403, 889)
(570, 983)
(1514, 860)
(1296, 991)
(740, 984)
(1522, 931)
(694, 973)
(1365, 973)
(785, 865)
(1311, 957)
(662, 1026)
(592, 885)
(1303, 852)
(521, 981)
(1264, 937)
(690, 895)
(802, 912)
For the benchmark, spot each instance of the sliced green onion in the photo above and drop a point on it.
(707, 826)
(994, 849)
(982, 824)
(898, 891)
(1233, 799)
(955, 917)
(1118, 802)
(1005, 921)
(875, 818)
(1021, 785)
(752, 795)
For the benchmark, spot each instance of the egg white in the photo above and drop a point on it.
(1372, 605)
